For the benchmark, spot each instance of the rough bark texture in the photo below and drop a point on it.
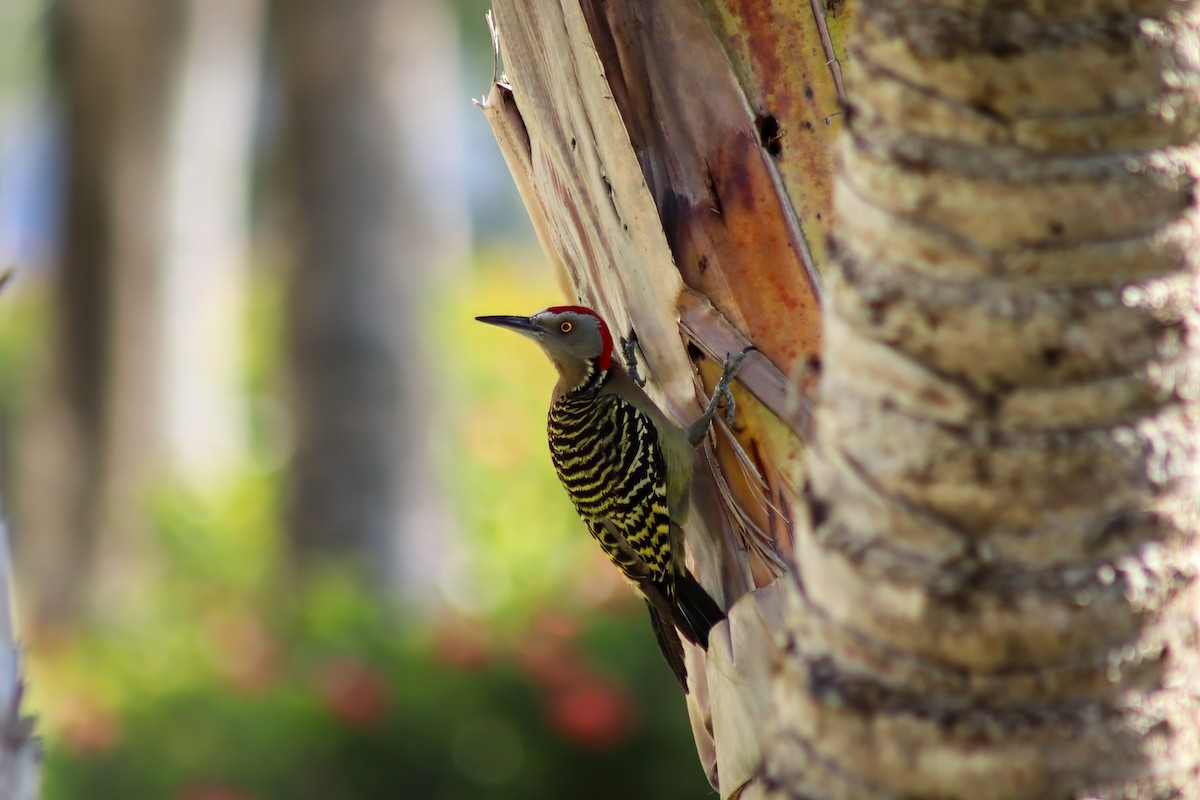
(653, 183)
(95, 437)
(348, 312)
(998, 588)
(364, 250)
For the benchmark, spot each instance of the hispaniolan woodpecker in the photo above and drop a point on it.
(626, 467)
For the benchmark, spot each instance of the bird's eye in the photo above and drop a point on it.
(565, 327)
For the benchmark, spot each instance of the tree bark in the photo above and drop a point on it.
(95, 440)
(650, 185)
(360, 477)
(999, 582)
(993, 552)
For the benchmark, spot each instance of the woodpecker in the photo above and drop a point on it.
(626, 467)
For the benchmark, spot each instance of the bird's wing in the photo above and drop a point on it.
(616, 477)
(672, 439)
(642, 518)
(620, 552)
(656, 591)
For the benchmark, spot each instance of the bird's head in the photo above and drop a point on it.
(574, 337)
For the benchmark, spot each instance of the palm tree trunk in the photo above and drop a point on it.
(998, 584)
(360, 480)
(95, 447)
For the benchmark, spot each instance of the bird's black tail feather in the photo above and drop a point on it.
(695, 610)
(688, 610)
(669, 644)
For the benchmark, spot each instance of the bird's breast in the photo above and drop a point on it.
(605, 453)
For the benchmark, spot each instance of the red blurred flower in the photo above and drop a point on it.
(244, 651)
(551, 664)
(555, 625)
(89, 728)
(353, 690)
(593, 714)
(462, 647)
(212, 791)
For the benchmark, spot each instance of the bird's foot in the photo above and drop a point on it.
(729, 370)
(628, 347)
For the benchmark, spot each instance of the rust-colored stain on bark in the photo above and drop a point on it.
(762, 284)
(730, 227)
(775, 47)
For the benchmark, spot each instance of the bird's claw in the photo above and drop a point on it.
(630, 357)
(729, 370)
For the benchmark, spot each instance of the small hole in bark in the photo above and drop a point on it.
(710, 183)
(985, 108)
(1003, 49)
(1114, 529)
(818, 511)
(877, 310)
(770, 134)
(1052, 356)
(703, 264)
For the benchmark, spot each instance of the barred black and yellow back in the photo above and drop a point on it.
(609, 458)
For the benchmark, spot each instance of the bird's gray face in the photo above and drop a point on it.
(569, 334)
(572, 334)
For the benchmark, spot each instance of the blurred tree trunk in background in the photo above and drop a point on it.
(993, 585)
(365, 240)
(95, 434)
(208, 247)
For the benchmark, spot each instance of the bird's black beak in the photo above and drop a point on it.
(524, 325)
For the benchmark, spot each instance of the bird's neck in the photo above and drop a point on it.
(580, 377)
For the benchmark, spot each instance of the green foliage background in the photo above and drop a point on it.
(535, 677)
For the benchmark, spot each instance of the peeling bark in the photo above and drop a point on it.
(993, 590)
(653, 188)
